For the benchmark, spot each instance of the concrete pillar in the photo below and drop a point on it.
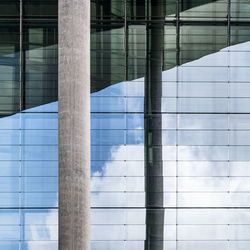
(74, 124)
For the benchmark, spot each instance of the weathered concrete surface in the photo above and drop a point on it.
(74, 124)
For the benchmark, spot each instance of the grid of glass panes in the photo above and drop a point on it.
(205, 124)
(28, 125)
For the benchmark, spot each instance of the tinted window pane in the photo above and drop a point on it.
(9, 68)
(40, 64)
(40, 8)
(9, 8)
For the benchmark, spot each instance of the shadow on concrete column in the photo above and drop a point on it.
(153, 130)
(74, 124)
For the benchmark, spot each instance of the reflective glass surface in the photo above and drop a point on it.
(28, 137)
(9, 67)
(9, 8)
(40, 69)
(170, 138)
(170, 124)
(38, 8)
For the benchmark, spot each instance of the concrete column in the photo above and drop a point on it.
(153, 130)
(74, 124)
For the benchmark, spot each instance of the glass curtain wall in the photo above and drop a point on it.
(28, 125)
(170, 124)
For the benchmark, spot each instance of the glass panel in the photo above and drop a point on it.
(40, 64)
(198, 168)
(39, 245)
(197, 245)
(203, 152)
(39, 121)
(107, 55)
(9, 137)
(107, 137)
(239, 58)
(41, 233)
(203, 216)
(197, 41)
(117, 168)
(9, 245)
(169, 59)
(9, 233)
(203, 105)
(39, 137)
(40, 199)
(136, 52)
(111, 9)
(239, 34)
(203, 233)
(9, 217)
(31, 136)
(203, 9)
(116, 199)
(239, 153)
(40, 153)
(135, 104)
(117, 184)
(40, 168)
(239, 74)
(107, 244)
(239, 137)
(136, 9)
(106, 104)
(181, 146)
(9, 153)
(239, 169)
(9, 68)
(203, 138)
(240, 90)
(203, 121)
(40, 8)
(206, 199)
(239, 105)
(9, 200)
(234, 245)
(9, 8)
(240, 10)
(107, 121)
(202, 89)
(40, 184)
(135, 137)
(203, 184)
(203, 74)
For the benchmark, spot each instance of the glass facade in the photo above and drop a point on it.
(170, 123)
(28, 125)
(170, 119)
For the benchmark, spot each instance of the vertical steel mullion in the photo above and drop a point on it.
(163, 46)
(228, 98)
(126, 66)
(126, 40)
(21, 105)
(177, 33)
(229, 23)
(177, 118)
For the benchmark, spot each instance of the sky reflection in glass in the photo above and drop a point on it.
(205, 145)
(205, 157)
